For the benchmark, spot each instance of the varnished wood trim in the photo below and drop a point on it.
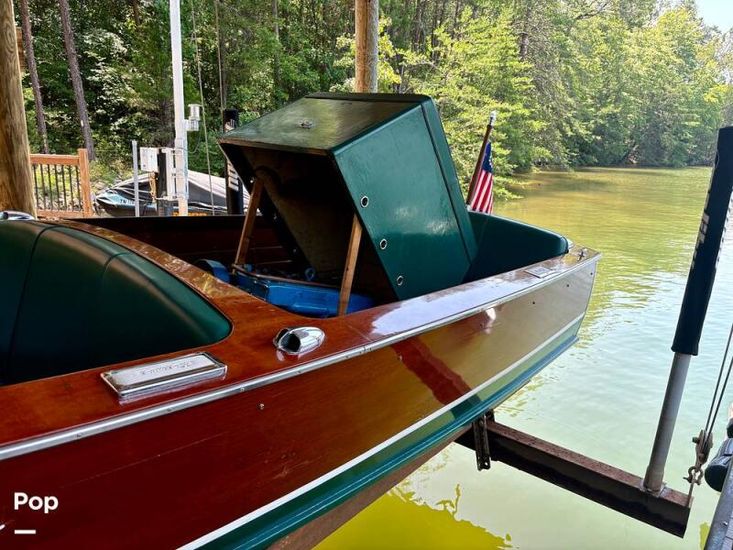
(65, 436)
(249, 353)
(210, 537)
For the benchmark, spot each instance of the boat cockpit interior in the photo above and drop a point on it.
(106, 303)
(354, 202)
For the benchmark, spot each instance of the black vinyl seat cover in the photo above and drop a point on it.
(71, 301)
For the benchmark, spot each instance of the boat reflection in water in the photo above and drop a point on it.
(426, 510)
(160, 400)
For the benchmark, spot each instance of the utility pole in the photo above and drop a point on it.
(181, 142)
(16, 191)
(366, 15)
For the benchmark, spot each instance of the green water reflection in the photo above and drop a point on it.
(601, 398)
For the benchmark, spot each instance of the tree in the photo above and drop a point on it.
(30, 56)
(75, 74)
(276, 36)
(576, 82)
(476, 72)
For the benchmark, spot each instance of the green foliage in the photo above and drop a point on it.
(575, 82)
(478, 72)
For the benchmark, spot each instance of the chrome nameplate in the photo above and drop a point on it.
(161, 376)
(539, 271)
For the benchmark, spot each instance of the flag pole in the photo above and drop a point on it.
(477, 169)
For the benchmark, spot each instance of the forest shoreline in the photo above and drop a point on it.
(631, 80)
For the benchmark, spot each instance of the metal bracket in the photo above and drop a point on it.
(481, 441)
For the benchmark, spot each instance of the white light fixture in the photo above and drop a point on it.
(194, 116)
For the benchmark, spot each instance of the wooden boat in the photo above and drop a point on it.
(145, 403)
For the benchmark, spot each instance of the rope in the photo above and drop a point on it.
(218, 57)
(704, 441)
(712, 415)
(203, 106)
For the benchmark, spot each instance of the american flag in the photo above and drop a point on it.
(482, 195)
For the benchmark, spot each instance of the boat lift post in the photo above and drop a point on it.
(366, 35)
(694, 304)
(135, 179)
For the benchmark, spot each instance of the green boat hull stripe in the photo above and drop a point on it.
(264, 526)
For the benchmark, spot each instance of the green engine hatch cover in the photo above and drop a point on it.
(382, 156)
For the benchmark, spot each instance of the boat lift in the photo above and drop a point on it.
(649, 499)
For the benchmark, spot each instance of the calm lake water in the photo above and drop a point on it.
(601, 398)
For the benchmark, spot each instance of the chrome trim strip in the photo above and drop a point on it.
(102, 426)
(221, 531)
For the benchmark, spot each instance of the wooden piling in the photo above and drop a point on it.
(16, 190)
(366, 22)
(366, 15)
(19, 45)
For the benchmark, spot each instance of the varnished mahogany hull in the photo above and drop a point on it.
(280, 441)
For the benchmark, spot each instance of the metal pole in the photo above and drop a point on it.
(135, 181)
(366, 20)
(695, 303)
(667, 419)
(181, 143)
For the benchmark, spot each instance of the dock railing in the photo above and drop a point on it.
(61, 185)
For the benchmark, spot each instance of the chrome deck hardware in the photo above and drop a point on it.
(150, 378)
(299, 340)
